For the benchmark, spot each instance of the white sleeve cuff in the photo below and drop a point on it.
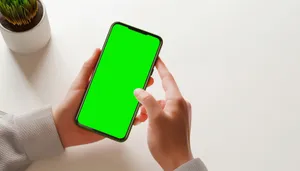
(193, 165)
(38, 135)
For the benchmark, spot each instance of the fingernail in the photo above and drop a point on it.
(138, 91)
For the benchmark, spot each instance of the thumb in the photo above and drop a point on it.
(148, 101)
(82, 80)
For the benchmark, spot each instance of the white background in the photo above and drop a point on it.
(237, 61)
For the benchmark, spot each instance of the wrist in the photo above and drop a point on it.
(60, 129)
(175, 162)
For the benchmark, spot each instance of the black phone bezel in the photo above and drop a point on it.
(145, 85)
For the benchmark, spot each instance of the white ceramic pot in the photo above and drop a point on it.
(31, 40)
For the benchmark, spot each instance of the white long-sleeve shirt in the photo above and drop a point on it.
(33, 136)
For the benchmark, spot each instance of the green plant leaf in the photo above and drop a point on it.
(18, 12)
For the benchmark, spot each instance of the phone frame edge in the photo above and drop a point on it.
(145, 85)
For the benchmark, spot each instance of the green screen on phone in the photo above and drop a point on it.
(125, 64)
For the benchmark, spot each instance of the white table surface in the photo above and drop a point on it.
(237, 61)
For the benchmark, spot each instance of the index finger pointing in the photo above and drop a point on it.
(168, 81)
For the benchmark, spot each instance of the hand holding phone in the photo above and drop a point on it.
(70, 134)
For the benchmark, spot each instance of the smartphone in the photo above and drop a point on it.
(125, 63)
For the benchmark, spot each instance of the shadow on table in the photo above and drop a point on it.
(45, 72)
(93, 157)
(29, 63)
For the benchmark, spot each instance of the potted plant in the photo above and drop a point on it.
(24, 25)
